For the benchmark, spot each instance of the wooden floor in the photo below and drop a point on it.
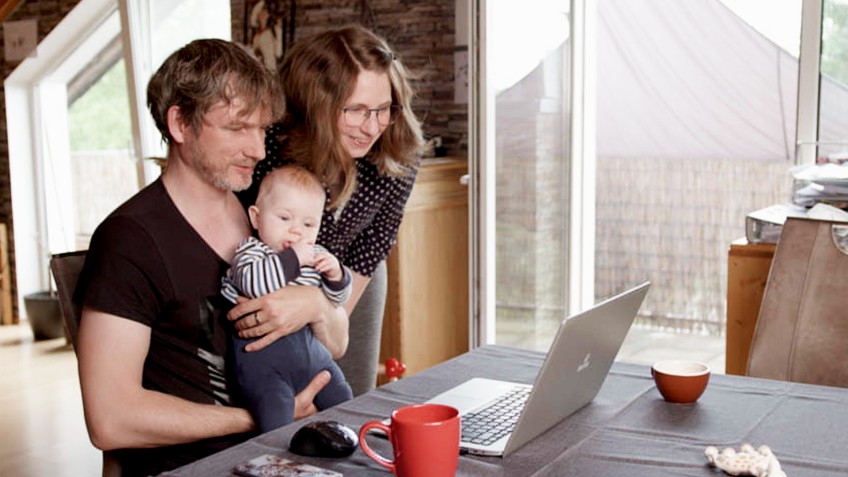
(42, 432)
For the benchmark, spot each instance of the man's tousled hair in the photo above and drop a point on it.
(204, 73)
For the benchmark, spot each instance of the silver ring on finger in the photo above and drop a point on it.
(256, 319)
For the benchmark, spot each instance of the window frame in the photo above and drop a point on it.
(136, 31)
(809, 78)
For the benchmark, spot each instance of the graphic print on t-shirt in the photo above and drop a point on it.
(212, 310)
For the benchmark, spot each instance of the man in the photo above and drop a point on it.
(152, 335)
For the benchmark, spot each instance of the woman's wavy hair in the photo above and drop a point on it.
(318, 74)
(204, 73)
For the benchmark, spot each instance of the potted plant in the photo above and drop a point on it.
(44, 314)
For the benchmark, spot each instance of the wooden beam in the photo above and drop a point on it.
(6, 317)
(6, 7)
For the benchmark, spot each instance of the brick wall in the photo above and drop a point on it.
(422, 33)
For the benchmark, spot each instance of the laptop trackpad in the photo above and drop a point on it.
(472, 394)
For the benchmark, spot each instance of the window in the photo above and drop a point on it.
(102, 170)
(696, 116)
(523, 138)
(62, 188)
(833, 82)
(660, 133)
(528, 72)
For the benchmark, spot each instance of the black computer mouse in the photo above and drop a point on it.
(324, 439)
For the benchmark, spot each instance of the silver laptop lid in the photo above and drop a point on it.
(577, 364)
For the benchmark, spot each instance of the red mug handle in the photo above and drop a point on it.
(389, 464)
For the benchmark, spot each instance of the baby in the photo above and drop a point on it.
(287, 217)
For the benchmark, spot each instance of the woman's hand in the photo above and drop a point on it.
(287, 310)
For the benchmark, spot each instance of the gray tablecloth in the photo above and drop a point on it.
(628, 430)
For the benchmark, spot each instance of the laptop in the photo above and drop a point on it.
(574, 369)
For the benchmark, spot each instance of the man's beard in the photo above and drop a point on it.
(216, 177)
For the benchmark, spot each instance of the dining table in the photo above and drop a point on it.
(626, 430)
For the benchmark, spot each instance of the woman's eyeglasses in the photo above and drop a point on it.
(355, 116)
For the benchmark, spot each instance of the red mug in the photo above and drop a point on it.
(425, 441)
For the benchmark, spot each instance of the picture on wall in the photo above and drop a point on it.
(269, 29)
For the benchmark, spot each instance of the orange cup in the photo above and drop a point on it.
(425, 441)
(681, 381)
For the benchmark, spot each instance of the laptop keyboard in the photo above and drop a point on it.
(495, 420)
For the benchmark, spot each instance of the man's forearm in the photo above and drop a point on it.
(159, 419)
(119, 412)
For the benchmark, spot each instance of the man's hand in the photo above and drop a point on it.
(285, 311)
(304, 402)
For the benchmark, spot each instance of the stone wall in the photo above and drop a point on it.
(48, 13)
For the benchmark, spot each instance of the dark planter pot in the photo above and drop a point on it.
(45, 319)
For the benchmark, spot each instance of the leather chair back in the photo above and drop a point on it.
(66, 268)
(802, 329)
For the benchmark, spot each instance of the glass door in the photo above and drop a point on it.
(522, 141)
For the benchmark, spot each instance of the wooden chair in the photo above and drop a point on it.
(66, 268)
(802, 330)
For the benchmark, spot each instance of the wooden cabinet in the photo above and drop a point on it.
(427, 318)
(747, 272)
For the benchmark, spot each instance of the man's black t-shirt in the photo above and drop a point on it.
(147, 264)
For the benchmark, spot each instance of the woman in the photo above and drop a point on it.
(349, 120)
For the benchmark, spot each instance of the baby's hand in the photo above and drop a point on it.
(329, 265)
(305, 253)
